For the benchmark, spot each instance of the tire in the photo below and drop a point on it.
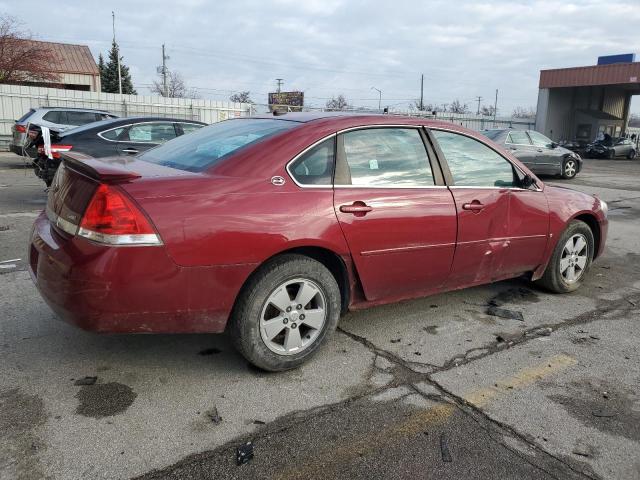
(631, 155)
(255, 316)
(569, 168)
(554, 279)
(611, 154)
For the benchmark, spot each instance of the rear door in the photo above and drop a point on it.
(397, 215)
(140, 137)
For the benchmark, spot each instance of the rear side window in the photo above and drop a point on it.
(152, 132)
(315, 167)
(81, 118)
(392, 157)
(112, 134)
(472, 163)
(53, 117)
(206, 147)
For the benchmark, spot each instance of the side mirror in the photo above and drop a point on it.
(528, 181)
(553, 145)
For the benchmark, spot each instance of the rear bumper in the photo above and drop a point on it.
(129, 289)
(15, 149)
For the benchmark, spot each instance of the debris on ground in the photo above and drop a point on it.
(505, 313)
(444, 449)
(632, 302)
(603, 413)
(214, 416)
(209, 351)
(259, 422)
(541, 332)
(395, 340)
(85, 381)
(581, 452)
(499, 338)
(244, 453)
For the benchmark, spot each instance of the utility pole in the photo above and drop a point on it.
(479, 98)
(379, 96)
(495, 107)
(113, 16)
(164, 72)
(280, 81)
(422, 92)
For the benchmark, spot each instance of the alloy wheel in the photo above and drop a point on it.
(570, 168)
(293, 316)
(573, 260)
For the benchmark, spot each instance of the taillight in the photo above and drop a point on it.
(112, 218)
(56, 150)
(20, 128)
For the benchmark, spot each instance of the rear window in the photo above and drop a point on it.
(25, 116)
(204, 148)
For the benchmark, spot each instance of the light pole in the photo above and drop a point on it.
(379, 96)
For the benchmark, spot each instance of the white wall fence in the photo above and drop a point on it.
(16, 100)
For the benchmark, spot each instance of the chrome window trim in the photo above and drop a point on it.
(137, 123)
(388, 187)
(537, 189)
(61, 223)
(359, 127)
(290, 162)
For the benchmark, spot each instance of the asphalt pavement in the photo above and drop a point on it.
(430, 388)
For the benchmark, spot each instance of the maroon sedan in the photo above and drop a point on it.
(271, 227)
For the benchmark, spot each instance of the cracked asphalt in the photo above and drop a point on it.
(431, 388)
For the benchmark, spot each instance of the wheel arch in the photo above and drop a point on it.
(594, 226)
(344, 274)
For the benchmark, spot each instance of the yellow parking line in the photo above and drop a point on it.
(417, 421)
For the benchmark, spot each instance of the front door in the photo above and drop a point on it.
(520, 146)
(548, 157)
(399, 222)
(480, 180)
(143, 136)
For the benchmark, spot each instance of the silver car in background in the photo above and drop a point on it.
(539, 153)
(57, 118)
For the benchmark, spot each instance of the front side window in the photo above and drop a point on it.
(81, 118)
(472, 163)
(209, 145)
(393, 157)
(539, 140)
(518, 137)
(152, 132)
(190, 127)
(315, 167)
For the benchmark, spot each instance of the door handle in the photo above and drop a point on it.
(474, 206)
(359, 209)
(130, 151)
(540, 150)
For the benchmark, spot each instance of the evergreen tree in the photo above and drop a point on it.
(109, 73)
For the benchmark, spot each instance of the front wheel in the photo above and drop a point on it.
(570, 260)
(631, 155)
(569, 168)
(285, 312)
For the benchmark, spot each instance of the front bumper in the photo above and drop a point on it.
(129, 289)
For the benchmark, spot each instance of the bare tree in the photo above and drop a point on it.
(176, 88)
(241, 97)
(23, 59)
(337, 103)
(432, 107)
(522, 112)
(487, 110)
(458, 107)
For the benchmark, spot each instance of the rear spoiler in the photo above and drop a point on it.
(108, 170)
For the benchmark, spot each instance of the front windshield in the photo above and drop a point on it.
(202, 149)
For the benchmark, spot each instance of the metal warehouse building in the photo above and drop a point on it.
(578, 103)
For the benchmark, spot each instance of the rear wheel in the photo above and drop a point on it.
(569, 168)
(570, 260)
(286, 311)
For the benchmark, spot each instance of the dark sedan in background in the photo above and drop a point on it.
(612, 148)
(107, 138)
(539, 153)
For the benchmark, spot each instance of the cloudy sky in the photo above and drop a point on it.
(331, 47)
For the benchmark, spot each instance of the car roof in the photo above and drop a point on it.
(76, 109)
